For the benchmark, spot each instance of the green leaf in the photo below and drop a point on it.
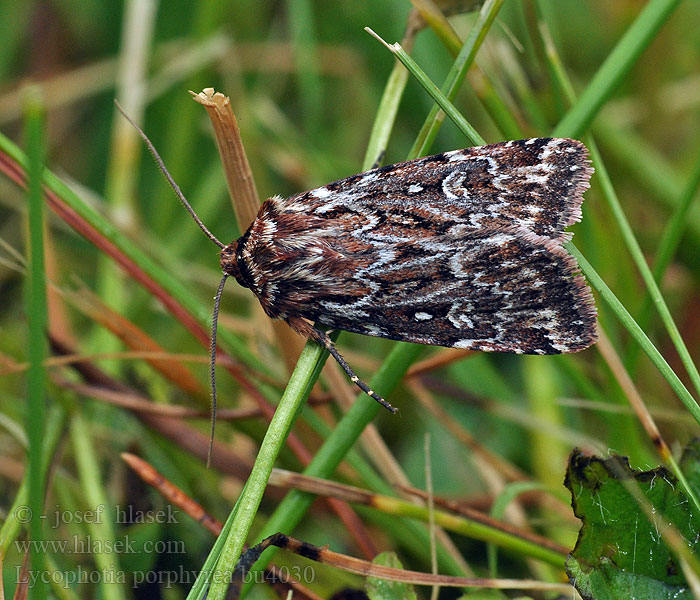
(381, 589)
(620, 552)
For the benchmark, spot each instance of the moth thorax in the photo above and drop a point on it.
(228, 262)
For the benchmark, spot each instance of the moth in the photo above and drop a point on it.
(462, 249)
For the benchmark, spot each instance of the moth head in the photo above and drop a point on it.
(229, 264)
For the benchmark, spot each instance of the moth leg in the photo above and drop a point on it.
(322, 338)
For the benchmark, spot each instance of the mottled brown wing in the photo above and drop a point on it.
(460, 249)
(497, 290)
(535, 184)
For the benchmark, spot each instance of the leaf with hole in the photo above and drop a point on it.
(620, 552)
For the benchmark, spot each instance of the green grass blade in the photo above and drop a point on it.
(302, 29)
(17, 513)
(112, 283)
(627, 234)
(456, 76)
(102, 531)
(183, 116)
(670, 240)
(37, 323)
(673, 232)
(200, 587)
(385, 117)
(294, 396)
(608, 190)
(295, 504)
(496, 107)
(464, 126)
(636, 332)
(615, 67)
(642, 266)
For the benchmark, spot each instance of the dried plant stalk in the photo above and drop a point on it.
(241, 187)
(239, 178)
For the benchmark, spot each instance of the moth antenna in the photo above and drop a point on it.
(212, 364)
(169, 178)
(325, 340)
